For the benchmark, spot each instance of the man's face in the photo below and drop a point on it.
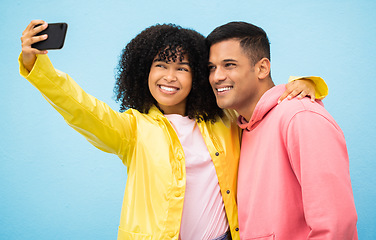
(232, 76)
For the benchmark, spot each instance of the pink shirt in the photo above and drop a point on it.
(294, 181)
(204, 215)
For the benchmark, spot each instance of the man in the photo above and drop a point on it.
(293, 180)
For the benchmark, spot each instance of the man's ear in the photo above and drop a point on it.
(263, 68)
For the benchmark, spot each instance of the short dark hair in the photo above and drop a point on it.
(253, 39)
(167, 42)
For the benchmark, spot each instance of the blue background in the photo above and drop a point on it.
(55, 185)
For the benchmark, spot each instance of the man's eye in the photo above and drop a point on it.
(211, 68)
(230, 64)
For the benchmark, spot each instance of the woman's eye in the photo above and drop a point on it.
(183, 69)
(160, 66)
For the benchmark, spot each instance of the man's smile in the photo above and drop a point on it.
(223, 89)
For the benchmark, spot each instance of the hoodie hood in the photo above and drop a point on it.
(266, 103)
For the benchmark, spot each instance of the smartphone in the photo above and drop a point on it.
(56, 36)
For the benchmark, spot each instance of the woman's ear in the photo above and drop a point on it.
(263, 67)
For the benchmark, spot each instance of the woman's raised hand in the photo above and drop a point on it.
(28, 38)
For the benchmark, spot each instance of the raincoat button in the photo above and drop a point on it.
(228, 191)
(237, 229)
(217, 154)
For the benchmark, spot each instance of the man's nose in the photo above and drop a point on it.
(217, 75)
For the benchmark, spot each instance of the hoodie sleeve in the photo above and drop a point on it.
(106, 129)
(318, 155)
(321, 90)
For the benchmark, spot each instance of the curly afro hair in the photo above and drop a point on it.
(170, 42)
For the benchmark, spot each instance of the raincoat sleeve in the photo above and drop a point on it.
(106, 129)
(321, 89)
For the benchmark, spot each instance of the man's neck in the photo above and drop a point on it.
(248, 110)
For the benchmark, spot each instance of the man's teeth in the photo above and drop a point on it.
(224, 89)
(168, 88)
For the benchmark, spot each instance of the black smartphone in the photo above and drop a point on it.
(56, 36)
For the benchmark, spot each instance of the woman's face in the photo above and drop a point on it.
(170, 83)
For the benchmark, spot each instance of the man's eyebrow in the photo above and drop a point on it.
(229, 60)
(225, 60)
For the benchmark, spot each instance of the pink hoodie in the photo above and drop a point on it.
(294, 180)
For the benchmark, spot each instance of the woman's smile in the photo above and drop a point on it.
(170, 83)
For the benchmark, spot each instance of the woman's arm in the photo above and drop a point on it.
(105, 128)
(314, 87)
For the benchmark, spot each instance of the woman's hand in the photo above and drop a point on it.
(300, 88)
(28, 38)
